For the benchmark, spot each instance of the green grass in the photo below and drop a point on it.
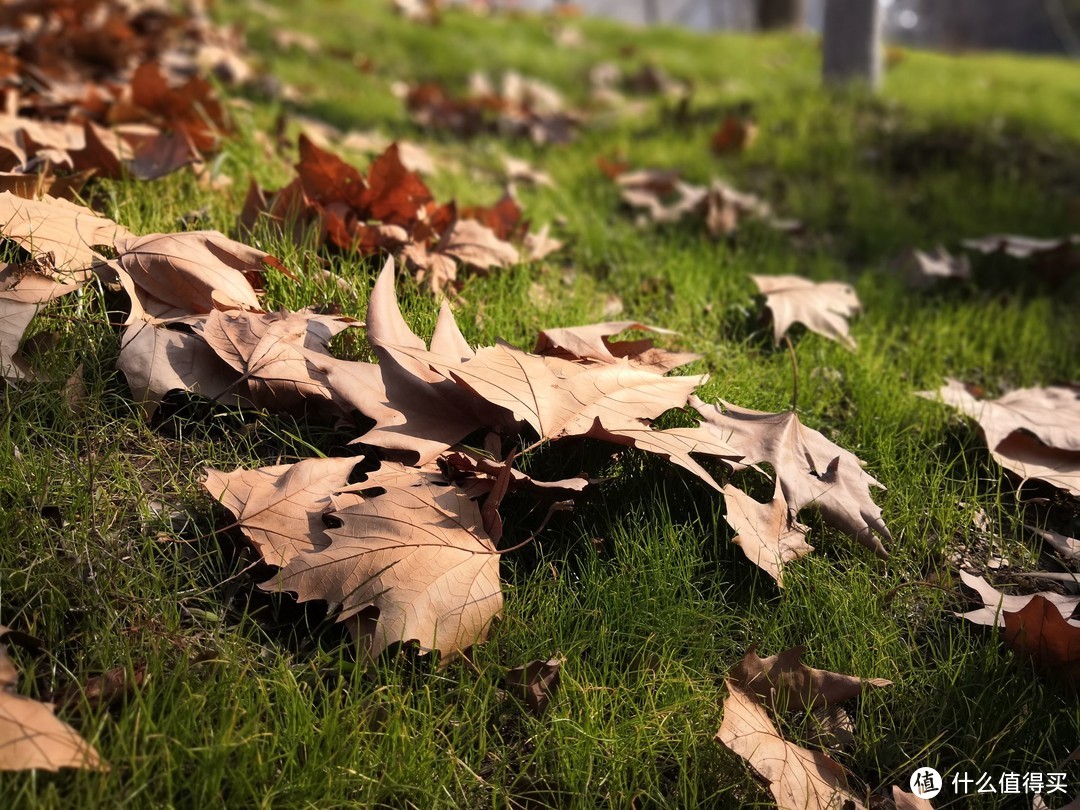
(252, 701)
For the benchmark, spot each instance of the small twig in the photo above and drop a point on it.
(794, 375)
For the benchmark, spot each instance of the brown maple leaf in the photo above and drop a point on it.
(785, 683)
(1032, 432)
(281, 358)
(197, 271)
(31, 736)
(766, 532)
(535, 683)
(797, 778)
(409, 562)
(281, 508)
(1040, 631)
(591, 343)
(822, 307)
(68, 231)
(810, 470)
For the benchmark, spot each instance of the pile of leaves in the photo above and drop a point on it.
(391, 210)
(108, 88)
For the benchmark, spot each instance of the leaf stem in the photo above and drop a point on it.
(794, 375)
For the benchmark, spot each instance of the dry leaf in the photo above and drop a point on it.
(1067, 547)
(591, 343)
(283, 358)
(810, 470)
(923, 269)
(822, 307)
(197, 271)
(765, 532)
(736, 134)
(410, 562)
(799, 779)
(518, 170)
(909, 801)
(281, 508)
(783, 682)
(1040, 631)
(535, 683)
(31, 736)
(66, 230)
(996, 604)
(1032, 432)
(157, 359)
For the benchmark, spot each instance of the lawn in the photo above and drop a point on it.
(114, 556)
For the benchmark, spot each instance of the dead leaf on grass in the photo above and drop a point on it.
(822, 307)
(32, 736)
(797, 778)
(810, 470)
(1032, 432)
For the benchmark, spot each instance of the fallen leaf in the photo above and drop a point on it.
(765, 532)
(909, 801)
(922, 269)
(798, 779)
(66, 230)
(535, 683)
(197, 271)
(409, 562)
(783, 682)
(736, 134)
(280, 509)
(103, 690)
(1067, 547)
(282, 359)
(1032, 432)
(822, 307)
(157, 359)
(997, 604)
(591, 343)
(1040, 631)
(31, 736)
(522, 171)
(810, 470)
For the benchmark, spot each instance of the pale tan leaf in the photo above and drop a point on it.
(674, 444)
(799, 779)
(766, 532)
(822, 307)
(281, 508)
(156, 360)
(521, 170)
(198, 271)
(921, 269)
(1067, 547)
(591, 343)
(283, 357)
(417, 554)
(811, 470)
(31, 736)
(1032, 432)
(477, 245)
(68, 231)
(909, 801)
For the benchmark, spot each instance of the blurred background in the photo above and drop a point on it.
(1039, 26)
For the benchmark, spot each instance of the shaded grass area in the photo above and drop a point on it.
(110, 554)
